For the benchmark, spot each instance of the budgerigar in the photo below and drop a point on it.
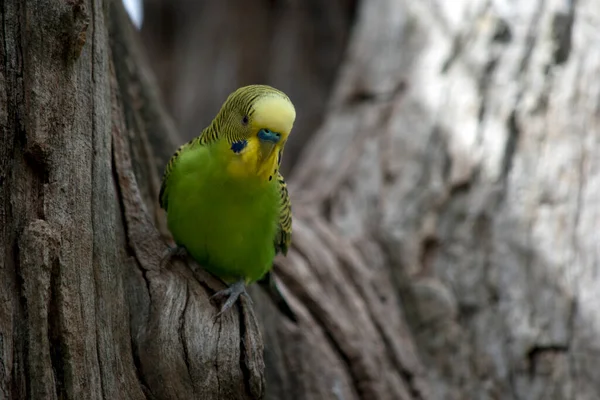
(227, 203)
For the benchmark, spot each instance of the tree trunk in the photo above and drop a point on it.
(443, 217)
(86, 312)
(460, 155)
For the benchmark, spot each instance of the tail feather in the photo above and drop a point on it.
(269, 284)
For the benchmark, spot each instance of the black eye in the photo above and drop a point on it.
(245, 120)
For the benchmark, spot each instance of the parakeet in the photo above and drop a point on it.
(226, 201)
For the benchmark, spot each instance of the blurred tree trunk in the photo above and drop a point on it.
(461, 155)
(203, 50)
(445, 211)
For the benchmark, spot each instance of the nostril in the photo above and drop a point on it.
(269, 135)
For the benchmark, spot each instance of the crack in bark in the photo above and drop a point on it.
(81, 17)
(512, 124)
(562, 32)
(582, 183)
(54, 331)
(455, 51)
(217, 362)
(502, 32)
(243, 350)
(38, 159)
(531, 38)
(186, 357)
(483, 85)
(537, 352)
(138, 367)
(510, 147)
(115, 167)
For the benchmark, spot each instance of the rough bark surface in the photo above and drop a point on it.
(63, 321)
(460, 154)
(86, 312)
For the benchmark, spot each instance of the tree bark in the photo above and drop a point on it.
(86, 312)
(444, 217)
(460, 155)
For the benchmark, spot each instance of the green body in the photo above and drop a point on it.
(226, 223)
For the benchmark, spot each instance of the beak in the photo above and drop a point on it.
(268, 139)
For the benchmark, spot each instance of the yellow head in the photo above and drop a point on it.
(255, 122)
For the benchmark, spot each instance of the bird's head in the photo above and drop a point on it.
(256, 121)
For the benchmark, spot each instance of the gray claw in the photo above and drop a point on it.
(232, 294)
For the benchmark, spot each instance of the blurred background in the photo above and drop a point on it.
(203, 50)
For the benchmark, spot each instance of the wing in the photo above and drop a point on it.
(208, 135)
(162, 195)
(284, 234)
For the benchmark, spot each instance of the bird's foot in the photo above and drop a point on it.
(232, 294)
(171, 252)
